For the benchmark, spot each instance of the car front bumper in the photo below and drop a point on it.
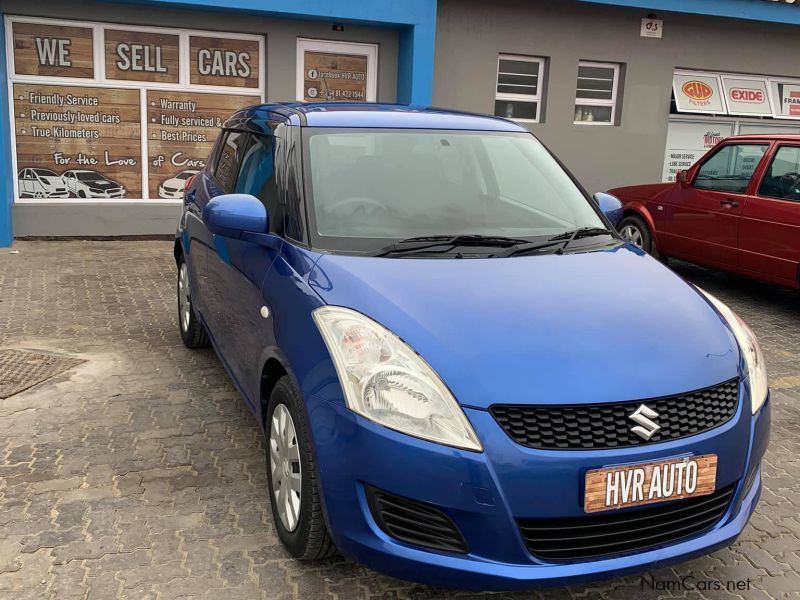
(484, 493)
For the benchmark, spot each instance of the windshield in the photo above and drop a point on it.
(372, 186)
(89, 176)
(185, 174)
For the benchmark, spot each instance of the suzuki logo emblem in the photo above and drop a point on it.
(646, 427)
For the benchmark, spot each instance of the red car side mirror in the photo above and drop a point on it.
(681, 178)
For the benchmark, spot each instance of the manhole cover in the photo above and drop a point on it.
(20, 369)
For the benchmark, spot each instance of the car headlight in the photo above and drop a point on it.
(387, 382)
(748, 345)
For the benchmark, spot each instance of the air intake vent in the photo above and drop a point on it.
(415, 522)
(623, 530)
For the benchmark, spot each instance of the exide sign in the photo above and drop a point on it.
(747, 95)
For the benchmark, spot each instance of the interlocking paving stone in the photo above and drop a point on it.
(141, 474)
(21, 369)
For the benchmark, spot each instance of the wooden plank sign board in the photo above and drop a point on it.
(334, 77)
(92, 133)
(181, 130)
(141, 56)
(53, 50)
(647, 483)
(223, 61)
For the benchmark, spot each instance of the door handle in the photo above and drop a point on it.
(729, 203)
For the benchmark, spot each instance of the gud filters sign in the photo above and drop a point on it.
(115, 112)
(699, 93)
(746, 96)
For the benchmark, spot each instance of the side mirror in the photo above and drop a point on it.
(610, 206)
(681, 178)
(232, 215)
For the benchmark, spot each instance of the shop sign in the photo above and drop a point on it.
(53, 50)
(787, 99)
(334, 77)
(746, 96)
(181, 130)
(688, 141)
(223, 61)
(77, 142)
(141, 56)
(698, 93)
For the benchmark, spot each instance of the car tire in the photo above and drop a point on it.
(193, 333)
(297, 514)
(633, 229)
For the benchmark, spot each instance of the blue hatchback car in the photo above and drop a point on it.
(464, 376)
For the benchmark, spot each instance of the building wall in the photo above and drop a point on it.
(471, 34)
(158, 217)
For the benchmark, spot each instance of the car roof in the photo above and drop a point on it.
(379, 116)
(791, 137)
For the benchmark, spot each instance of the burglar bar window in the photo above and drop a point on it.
(596, 94)
(518, 94)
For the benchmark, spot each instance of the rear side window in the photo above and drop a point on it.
(782, 179)
(257, 177)
(228, 160)
(730, 169)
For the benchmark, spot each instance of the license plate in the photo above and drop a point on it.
(648, 483)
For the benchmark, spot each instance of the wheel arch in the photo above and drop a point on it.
(638, 209)
(272, 370)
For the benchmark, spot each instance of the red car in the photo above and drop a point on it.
(736, 209)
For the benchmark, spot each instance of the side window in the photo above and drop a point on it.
(782, 179)
(228, 161)
(257, 177)
(730, 168)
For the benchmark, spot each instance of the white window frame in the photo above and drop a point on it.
(537, 97)
(99, 81)
(337, 47)
(612, 103)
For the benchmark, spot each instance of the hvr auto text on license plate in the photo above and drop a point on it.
(647, 483)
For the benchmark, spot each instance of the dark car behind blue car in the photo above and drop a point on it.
(464, 376)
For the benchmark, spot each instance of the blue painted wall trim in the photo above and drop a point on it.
(7, 187)
(751, 10)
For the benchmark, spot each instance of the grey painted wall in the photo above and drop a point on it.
(281, 50)
(471, 33)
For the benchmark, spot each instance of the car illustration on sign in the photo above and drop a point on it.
(423, 311)
(174, 186)
(34, 182)
(90, 184)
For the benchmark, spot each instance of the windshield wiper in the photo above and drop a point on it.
(448, 242)
(567, 236)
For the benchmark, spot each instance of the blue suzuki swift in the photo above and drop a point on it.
(464, 376)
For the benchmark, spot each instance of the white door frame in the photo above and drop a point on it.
(358, 48)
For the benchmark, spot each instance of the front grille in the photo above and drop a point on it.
(415, 522)
(604, 426)
(623, 530)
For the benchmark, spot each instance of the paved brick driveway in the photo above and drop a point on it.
(140, 474)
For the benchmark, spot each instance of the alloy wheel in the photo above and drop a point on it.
(284, 464)
(632, 234)
(184, 300)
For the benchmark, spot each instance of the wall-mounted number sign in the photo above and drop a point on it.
(77, 142)
(221, 61)
(52, 50)
(141, 56)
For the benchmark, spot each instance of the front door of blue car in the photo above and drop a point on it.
(239, 325)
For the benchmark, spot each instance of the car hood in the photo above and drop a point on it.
(580, 328)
